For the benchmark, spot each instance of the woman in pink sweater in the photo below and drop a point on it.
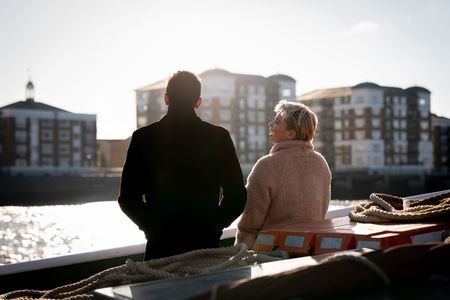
(290, 185)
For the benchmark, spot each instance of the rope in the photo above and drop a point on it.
(190, 263)
(387, 208)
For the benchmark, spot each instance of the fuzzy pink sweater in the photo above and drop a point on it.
(291, 185)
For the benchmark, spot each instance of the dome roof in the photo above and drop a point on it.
(366, 84)
(215, 72)
(281, 77)
(418, 89)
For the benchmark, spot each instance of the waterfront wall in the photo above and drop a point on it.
(73, 190)
(360, 186)
(53, 190)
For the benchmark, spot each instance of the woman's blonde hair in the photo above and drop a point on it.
(298, 117)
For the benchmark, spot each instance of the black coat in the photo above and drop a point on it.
(181, 183)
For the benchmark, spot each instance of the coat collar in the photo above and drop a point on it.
(181, 114)
(292, 145)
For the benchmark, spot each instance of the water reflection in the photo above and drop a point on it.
(34, 232)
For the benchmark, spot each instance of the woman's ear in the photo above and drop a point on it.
(292, 134)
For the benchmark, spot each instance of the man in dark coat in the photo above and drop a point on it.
(181, 181)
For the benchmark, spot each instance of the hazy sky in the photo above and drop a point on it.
(88, 56)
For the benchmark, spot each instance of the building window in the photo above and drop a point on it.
(261, 130)
(360, 122)
(359, 99)
(359, 135)
(337, 124)
(376, 122)
(47, 161)
(64, 162)
(242, 131)
(242, 104)
(286, 93)
(46, 148)
(21, 122)
(21, 150)
(260, 103)
(64, 135)
(89, 126)
(422, 102)
(261, 89)
(424, 124)
(47, 122)
(376, 134)
(142, 108)
(64, 149)
(359, 111)
(396, 124)
(225, 114)
(242, 145)
(207, 114)
(47, 135)
(251, 103)
(251, 130)
(424, 136)
(206, 102)
(252, 116)
(261, 117)
(20, 136)
(64, 123)
(225, 101)
(377, 160)
(141, 121)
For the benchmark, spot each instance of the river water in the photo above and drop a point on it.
(34, 232)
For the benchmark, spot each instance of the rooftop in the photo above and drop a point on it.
(33, 105)
(326, 93)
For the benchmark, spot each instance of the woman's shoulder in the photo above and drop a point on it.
(269, 163)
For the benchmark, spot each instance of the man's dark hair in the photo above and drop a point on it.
(183, 88)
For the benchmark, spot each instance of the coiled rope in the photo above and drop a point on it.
(190, 263)
(387, 208)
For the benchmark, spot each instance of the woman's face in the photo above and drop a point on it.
(278, 131)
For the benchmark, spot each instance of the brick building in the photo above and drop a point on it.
(241, 103)
(374, 129)
(40, 139)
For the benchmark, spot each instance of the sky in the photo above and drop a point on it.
(88, 56)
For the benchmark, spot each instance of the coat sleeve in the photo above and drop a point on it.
(132, 186)
(232, 183)
(256, 208)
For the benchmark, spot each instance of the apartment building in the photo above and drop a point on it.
(374, 129)
(441, 137)
(40, 139)
(241, 103)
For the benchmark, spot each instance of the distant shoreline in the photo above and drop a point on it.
(63, 190)
(57, 190)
